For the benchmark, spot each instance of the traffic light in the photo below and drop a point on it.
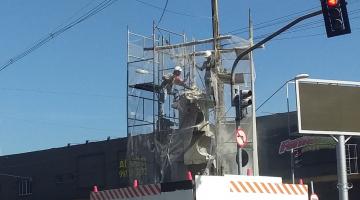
(241, 101)
(335, 17)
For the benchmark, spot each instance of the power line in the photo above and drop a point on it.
(58, 93)
(101, 6)
(163, 12)
(276, 21)
(269, 21)
(302, 27)
(171, 11)
(75, 14)
(309, 35)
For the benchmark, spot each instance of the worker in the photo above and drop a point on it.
(168, 81)
(208, 65)
(175, 78)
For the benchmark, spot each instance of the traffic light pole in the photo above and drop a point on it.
(262, 42)
(238, 116)
(237, 103)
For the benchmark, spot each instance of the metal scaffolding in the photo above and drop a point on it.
(177, 123)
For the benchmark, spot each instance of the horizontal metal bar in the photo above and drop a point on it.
(131, 56)
(131, 33)
(182, 35)
(137, 125)
(136, 119)
(141, 60)
(141, 97)
(196, 42)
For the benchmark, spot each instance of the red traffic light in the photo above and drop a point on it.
(335, 17)
(332, 3)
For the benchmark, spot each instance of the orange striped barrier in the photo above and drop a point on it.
(125, 193)
(267, 188)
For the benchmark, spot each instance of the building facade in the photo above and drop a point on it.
(67, 173)
(71, 172)
(313, 158)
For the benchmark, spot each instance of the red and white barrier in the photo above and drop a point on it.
(127, 193)
(248, 187)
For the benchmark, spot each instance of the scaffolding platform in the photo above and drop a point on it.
(150, 87)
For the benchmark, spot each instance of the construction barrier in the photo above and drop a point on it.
(127, 193)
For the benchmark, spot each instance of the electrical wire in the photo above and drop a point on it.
(276, 21)
(101, 6)
(172, 11)
(269, 21)
(163, 12)
(309, 35)
(302, 27)
(48, 92)
(75, 14)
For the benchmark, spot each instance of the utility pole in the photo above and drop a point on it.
(215, 26)
(252, 72)
(219, 93)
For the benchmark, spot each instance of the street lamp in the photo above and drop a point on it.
(297, 77)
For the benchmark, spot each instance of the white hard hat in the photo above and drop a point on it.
(207, 54)
(178, 68)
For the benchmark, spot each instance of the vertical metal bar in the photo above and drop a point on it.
(238, 115)
(341, 169)
(292, 160)
(144, 45)
(356, 159)
(156, 172)
(288, 108)
(239, 155)
(348, 158)
(219, 114)
(153, 70)
(193, 82)
(215, 24)
(127, 81)
(143, 108)
(254, 131)
(161, 68)
(183, 56)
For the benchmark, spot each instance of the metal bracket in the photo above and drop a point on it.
(333, 137)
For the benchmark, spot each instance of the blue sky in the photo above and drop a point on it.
(73, 88)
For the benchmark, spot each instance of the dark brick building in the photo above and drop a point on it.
(67, 173)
